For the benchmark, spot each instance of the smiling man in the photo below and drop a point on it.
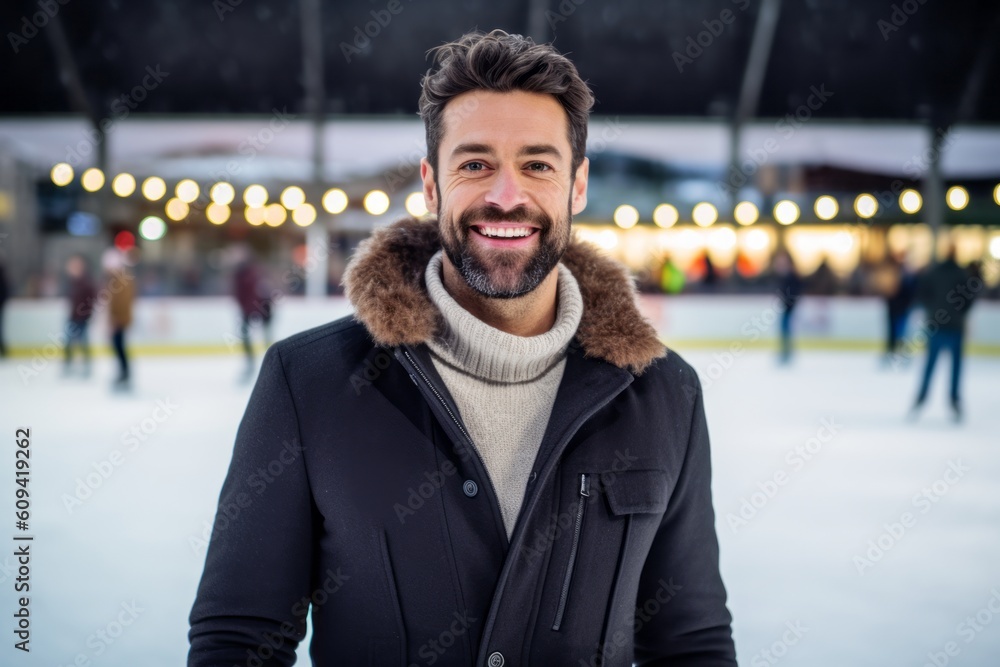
(494, 461)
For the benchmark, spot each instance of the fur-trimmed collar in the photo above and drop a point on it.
(385, 282)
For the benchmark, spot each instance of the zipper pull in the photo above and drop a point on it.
(584, 485)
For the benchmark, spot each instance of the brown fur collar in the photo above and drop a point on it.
(385, 283)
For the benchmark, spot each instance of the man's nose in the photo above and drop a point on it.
(506, 191)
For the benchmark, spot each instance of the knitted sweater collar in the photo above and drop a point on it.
(385, 283)
(475, 347)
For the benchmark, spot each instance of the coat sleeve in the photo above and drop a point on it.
(254, 592)
(693, 627)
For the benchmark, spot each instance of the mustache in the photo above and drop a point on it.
(483, 214)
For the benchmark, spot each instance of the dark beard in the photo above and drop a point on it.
(505, 274)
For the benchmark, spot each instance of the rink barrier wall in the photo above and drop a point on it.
(211, 325)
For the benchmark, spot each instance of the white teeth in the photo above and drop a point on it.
(506, 232)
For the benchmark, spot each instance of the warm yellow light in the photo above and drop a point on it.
(153, 188)
(222, 193)
(304, 215)
(254, 215)
(957, 197)
(217, 213)
(607, 239)
(255, 196)
(786, 212)
(626, 216)
(176, 209)
(996, 194)
(187, 190)
(376, 202)
(335, 201)
(415, 204)
(123, 184)
(704, 214)
(275, 214)
(665, 216)
(757, 239)
(62, 174)
(292, 197)
(92, 180)
(746, 213)
(910, 201)
(841, 243)
(723, 238)
(826, 207)
(865, 206)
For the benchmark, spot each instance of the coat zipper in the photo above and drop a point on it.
(456, 420)
(580, 510)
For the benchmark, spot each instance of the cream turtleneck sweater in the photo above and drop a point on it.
(504, 385)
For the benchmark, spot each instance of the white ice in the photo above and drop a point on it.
(139, 538)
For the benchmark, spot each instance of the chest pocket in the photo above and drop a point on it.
(598, 537)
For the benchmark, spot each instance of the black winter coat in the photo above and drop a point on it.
(354, 490)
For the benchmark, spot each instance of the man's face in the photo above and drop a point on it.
(504, 192)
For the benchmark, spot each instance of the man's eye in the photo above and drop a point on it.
(539, 166)
(474, 166)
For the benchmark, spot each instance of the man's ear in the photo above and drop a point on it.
(430, 191)
(579, 196)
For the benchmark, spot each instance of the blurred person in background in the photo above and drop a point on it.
(4, 293)
(253, 294)
(82, 294)
(790, 289)
(946, 291)
(121, 288)
(671, 277)
(899, 302)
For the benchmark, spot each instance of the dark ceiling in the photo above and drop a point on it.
(245, 56)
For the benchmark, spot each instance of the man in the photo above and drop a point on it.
(82, 294)
(121, 287)
(495, 461)
(946, 291)
(254, 299)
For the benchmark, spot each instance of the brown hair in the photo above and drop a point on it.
(503, 63)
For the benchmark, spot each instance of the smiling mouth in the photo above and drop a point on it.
(495, 232)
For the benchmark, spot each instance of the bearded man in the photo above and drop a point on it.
(494, 461)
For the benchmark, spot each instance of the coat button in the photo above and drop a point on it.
(495, 659)
(532, 476)
(471, 489)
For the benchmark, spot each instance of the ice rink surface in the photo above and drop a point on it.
(849, 535)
